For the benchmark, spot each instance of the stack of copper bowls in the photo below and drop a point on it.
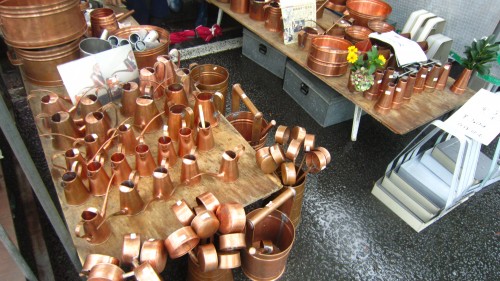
(43, 34)
(328, 55)
(362, 11)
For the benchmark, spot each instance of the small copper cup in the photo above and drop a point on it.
(209, 201)
(420, 81)
(288, 173)
(399, 91)
(131, 249)
(205, 224)
(293, 149)
(211, 104)
(256, 9)
(282, 134)
(277, 153)
(207, 257)
(181, 241)
(183, 212)
(232, 242)
(232, 218)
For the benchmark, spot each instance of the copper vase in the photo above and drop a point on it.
(460, 85)
(373, 92)
(420, 81)
(399, 92)
(443, 77)
(388, 77)
(384, 103)
(409, 87)
(432, 78)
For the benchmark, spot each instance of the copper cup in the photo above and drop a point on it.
(293, 149)
(399, 91)
(131, 249)
(144, 161)
(176, 95)
(98, 178)
(186, 141)
(309, 142)
(256, 9)
(166, 151)
(181, 241)
(190, 173)
(129, 96)
(316, 161)
(229, 260)
(75, 191)
(232, 241)
(209, 201)
(443, 77)
(232, 218)
(205, 224)
(288, 173)
(183, 212)
(162, 184)
(127, 139)
(153, 252)
(373, 92)
(120, 167)
(432, 78)
(420, 81)
(145, 111)
(277, 153)
(388, 78)
(92, 259)
(409, 87)
(265, 160)
(228, 170)
(177, 114)
(93, 227)
(282, 134)
(205, 138)
(103, 19)
(207, 257)
(383, 105)
(273, 21)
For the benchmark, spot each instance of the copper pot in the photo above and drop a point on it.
(326, 69)
(380, 26)
(232, 218)
(357, 33)
(103, 19)
(329, 49)
(181, 241)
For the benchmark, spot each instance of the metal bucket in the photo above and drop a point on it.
(195, 274)
(40, 65)
(30, 25)
(249, 124)
(146, 58)
(268, 224)
(210, 78)
(299, 187)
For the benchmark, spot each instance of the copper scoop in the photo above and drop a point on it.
(92, 259)
(153, 252)
(181, 241)
(183, 212)
(232, 218)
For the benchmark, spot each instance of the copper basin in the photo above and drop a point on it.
(363, 11)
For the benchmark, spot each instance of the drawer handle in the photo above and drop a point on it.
(262, 49)
(304, 89)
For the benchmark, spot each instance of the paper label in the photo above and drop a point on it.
(398, 89)
(379, 81)
(178, 203)
(435, 79)
(387, 92)
(133, 236)
(447, 67)
(243, 96)
(391, 76)
(423, 76)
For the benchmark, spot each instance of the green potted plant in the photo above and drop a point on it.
(477, 56)
(362, 68)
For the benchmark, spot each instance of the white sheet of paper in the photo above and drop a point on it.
(405, 50)
(479, 117)
(296, 15)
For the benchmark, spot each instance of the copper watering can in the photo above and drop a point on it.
(145, 114)
(211, 106)
(162, 183)
(63, 128)
(176, 94)
(166, 150)
(71, 156)
(186, 142)
(97, 176)
(93, 227)
(204, 138)
(144, 161)
(50, 102)
(166, 68)
(120, 166)
(75, 192)
(228, 171)
(130, 94)
(97, 123)
(190, 173)
(306, 34)
(251, 125)
(268, 224)
(177, 116)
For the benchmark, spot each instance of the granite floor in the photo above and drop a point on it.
(345, 232)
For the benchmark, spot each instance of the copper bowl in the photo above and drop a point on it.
(363, 11)
(380, 26)
(330, 49)
(357, 33)
(326, 69)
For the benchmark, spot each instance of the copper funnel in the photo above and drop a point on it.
(181, 241)
(130, 94)
(177, 114)
(186, 141)
(211, 105)
(93, 227)
(232, 218)
(420, 81)
(127, 139)
(205, 138)
(145, 111)
(176, 95)
(93, 259)
(399, 91)
(154, 252)
(228, 171)
(373, 92)
(432, 78)
(166, 150)
(131, 249)
(75, 191)
(205, 224)
(162, 184)
(189, 170)
(409, 87)
(131, 202)
(183, 212)
(384, 103)
(144, 161)
(208, 200)
(98, 178)
(120, 167)
(443, 77)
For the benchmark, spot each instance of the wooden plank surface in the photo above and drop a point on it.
(158, 220)
(422, 109)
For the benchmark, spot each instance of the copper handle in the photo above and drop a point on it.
(14, 61)
(125, 15)
(270, 207)
(237, 95)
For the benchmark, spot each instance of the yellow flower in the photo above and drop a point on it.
(352, 57)
(382, 59)
(352, 49)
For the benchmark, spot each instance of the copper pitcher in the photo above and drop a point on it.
(75, 192)
(273, 21)
(186, 141)
(228, 171)
(256, 9)
(50, 102)
(205, 138)
(211, 106)
(64, 129)
(130, 94)
(144, 161)
(176, 95)
(71, 156)
(131, 202)
(145, 111)
(149, 84)
(166, 68)
(93, 227)
(120, 167)
(162, 184)
(190, 173)
(127, 139)
(306, 34)
(166, 150)
(177, 114)
(98, 178)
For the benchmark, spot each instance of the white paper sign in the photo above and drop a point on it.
(296, 15)
(405, 50)
(479, 117)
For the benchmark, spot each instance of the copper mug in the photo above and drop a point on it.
(166, 150)
(176, 95)
(273, 22)
(93, 227)
(144, 161)
(145, 114)
(239, 6)
(210, 105)
(75, 192)
(256, 9)
(130, 94)
(177, 114)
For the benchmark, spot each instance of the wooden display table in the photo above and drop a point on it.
(422, 109)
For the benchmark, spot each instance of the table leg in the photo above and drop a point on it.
(355, 122)
(219, 16)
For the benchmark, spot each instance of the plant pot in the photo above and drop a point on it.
(462, 81)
